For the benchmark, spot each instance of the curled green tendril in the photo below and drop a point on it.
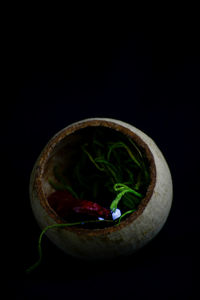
(123, 189)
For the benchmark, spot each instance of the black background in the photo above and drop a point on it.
(146, 78)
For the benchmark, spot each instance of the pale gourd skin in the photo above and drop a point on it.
(127, 239)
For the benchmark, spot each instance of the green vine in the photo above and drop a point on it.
(63, 225)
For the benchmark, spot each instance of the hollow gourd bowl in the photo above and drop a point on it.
(134, 231)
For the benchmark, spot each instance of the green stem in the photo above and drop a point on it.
(126, 213)
(80, 179)
(111, 168)
(122, 145)
(92, 160)
(62, 181)
(61, 187)
(137, 149)
(34, 266)
(124, 189)
(128, 202)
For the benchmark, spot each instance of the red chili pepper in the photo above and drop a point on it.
(64, 204)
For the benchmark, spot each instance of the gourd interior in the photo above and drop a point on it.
(67, 158)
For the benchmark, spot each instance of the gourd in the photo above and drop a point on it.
(134, 231)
